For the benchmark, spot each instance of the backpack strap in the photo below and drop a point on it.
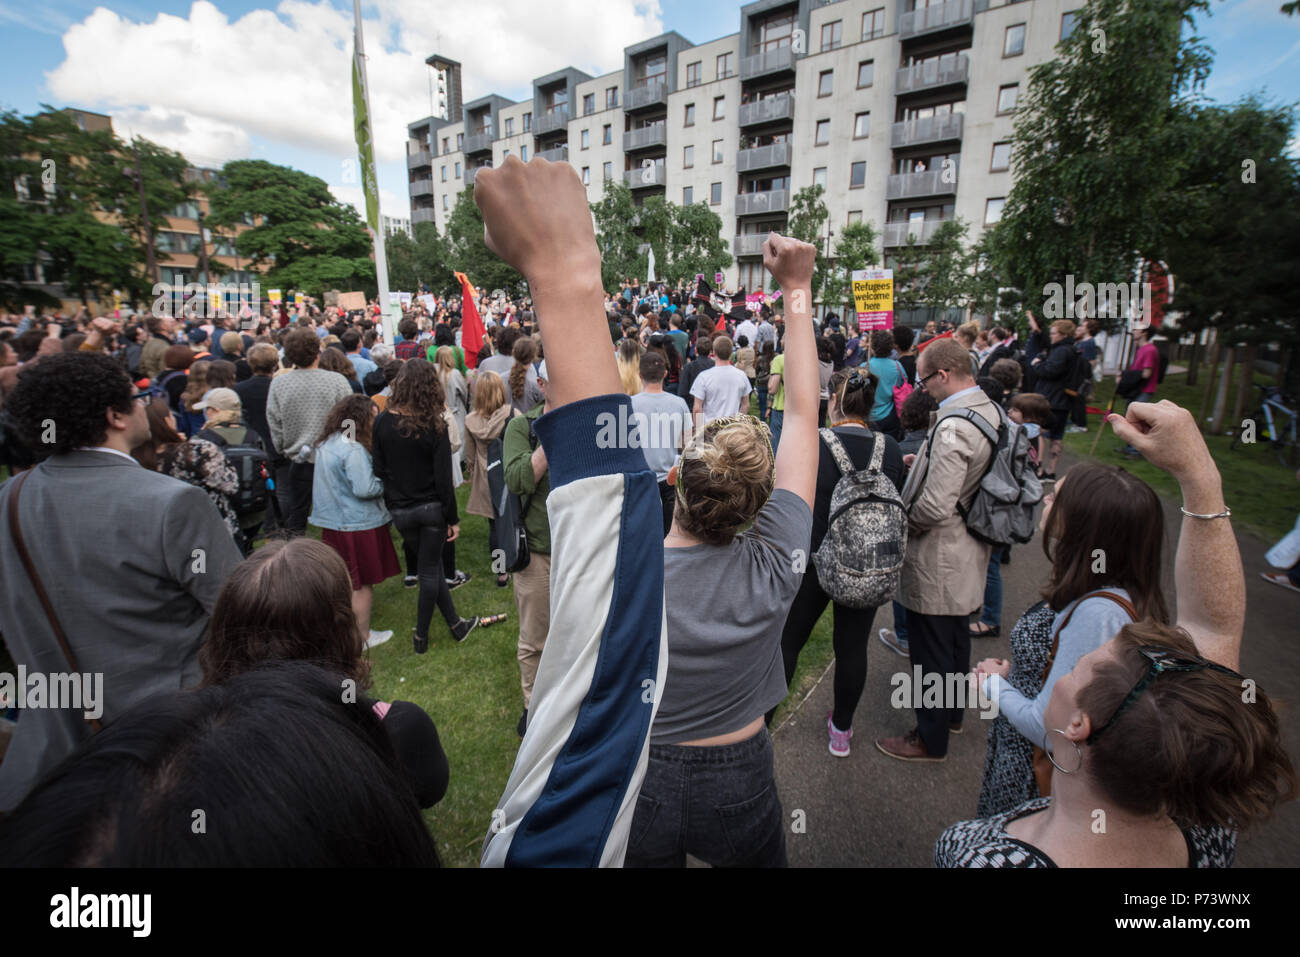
(877, 453)
(841, 457)
(1056, 635)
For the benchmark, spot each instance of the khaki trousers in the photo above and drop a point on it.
(533, 596)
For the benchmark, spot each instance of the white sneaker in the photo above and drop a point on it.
(378, 638)
(891, 642)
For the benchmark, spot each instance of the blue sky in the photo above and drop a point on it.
(221, 79)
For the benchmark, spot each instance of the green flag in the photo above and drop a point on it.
(365, 147)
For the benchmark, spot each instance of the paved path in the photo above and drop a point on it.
(874, 811)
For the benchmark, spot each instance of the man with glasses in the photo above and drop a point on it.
(108, 569)
(944, 568)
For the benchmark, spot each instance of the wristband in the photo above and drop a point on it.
(1226, 513)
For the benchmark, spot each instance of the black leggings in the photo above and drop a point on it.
(424, 530)
(412, 554)
(851, 631)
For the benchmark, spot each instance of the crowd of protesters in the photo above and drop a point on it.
(668, 588)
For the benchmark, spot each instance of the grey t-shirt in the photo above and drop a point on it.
(726, 608)
(664, 421)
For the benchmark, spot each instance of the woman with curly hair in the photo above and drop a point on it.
(412, 456)
(524, 390)
(348, 506)
(710, 788)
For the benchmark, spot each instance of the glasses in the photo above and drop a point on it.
(924, 379)
(1161, 660)
(144, 398)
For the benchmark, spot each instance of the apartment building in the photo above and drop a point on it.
(902, 110)
(397, 224)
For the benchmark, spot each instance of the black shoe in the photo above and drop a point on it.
(460, 631)
(1006, 556)
(460, 578)
(523, 723)
(983, 630)
(503, 581)
(421, 644)
(954, 728)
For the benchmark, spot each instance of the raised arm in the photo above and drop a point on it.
(1207, 568)
(791, 264)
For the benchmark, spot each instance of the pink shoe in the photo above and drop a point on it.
(839, 743)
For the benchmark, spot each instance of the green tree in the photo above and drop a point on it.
(422, 259)
(614, 214)
(1098, 144)
(467, 252)
(312, 241)
(686, 239)
(854, 249)
(806, 222)
(933, 274)
(695, 244)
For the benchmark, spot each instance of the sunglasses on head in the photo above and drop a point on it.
(1160, 661)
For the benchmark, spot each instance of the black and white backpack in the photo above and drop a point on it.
(860, 561)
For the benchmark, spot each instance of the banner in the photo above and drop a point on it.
(755, 301)
(428, 302)
(273, 296)
(298, 299)
(215, 302)
(405, 299)
(873, 298)
(352, 300)
(718, 279)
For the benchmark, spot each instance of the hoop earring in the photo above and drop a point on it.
(1078, 752)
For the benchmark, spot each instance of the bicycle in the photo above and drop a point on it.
(1283, 439)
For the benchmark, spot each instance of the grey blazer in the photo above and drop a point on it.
(133, 561)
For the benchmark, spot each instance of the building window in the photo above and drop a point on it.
(873, 24)
(586, 176)
(719, 107)
(609, 172)
(1068, 21)
(445, 147)
(1007, 98)
(861, 125)
(458, 171)
(589, 104)
(688, 195)
(693, 74)
(855, 216)
(586, 139)
(858, 175)
(819, 177)
(725, 63)
(715, 194)
(611, 97)
(717, 151)
(1001, 157)
(866, 73)
(775, 33)
(993, 210)
(444, 174)
(1013, 44)
(528, 122)
(444, 202)
(523, 154)
(823, 133)
(689, 119)
(460, 141)
(688, 157)
(831, 35)
(825, 83)
(606, 135)
(504, 154)
(510, 126)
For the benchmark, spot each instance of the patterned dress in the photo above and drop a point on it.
(986, 843)
(202, 464)
(1009, 757)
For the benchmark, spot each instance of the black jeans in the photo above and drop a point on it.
(718, 804)
(424, 529)
(300, 479)
(411, 553)
(667, 498)
(851, 631)
(940, 644)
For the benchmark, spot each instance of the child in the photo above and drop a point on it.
(1033, 411)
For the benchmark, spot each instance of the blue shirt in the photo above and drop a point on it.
(973, 388)
(888, 374)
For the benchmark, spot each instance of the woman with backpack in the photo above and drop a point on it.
(225, 428)
(889, 375)
(850, 447)
(485, 423)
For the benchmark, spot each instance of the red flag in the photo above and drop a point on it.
(945, 335)
(471, 326)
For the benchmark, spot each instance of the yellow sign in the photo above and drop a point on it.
(297, 299)
(274, 296)
(873, 298)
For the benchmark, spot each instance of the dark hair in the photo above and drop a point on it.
(287, 771)
(1033, 407)
(443, 336)
(903, 337)
(350, 340)
(301, 348)
(914, 414)
(28, 343)
(882, 343)
(1007, 372)
(825, 351)
(288, 601)
(336, 360)
(162, 432)
(70, 392)
(1103, 510)
(507, 336)
(524, 351)
(1190, 746)
(178, 357)
(221, 374)
(855, 391)
(355, 408)
(408, 329)
(417, 398)
(653, 366)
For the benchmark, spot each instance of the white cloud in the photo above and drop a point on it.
(206, 85)
(390, 204)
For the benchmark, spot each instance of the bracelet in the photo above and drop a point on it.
(1226, 513)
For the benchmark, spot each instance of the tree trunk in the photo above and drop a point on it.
(1221, 394)
(1203, 416)
(1246, 386)
(1194, 360)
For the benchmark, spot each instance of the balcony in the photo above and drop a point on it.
(422, 215)
(478, 143)
(418, 158)
(945, 71)
(763, 157)
(645, 177)
(654, 93)
(945, 16)
(751, 245)
(896, 233)
(929, 183)
(757, 204)
(768, 63)
(929, 129)
(558, 155)
(550, 122)
(472, 172)
(421, 187)
(656, 134)
(771, 110)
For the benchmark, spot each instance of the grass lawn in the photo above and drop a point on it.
(1264, 495)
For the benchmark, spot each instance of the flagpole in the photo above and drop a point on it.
(369, 178)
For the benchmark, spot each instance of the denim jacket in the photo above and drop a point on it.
(346, 494)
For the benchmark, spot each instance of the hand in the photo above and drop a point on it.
(909, 458)
(453, 532)
(53, 330)
(993, 666)
(536, 218)
(106, 325)
(789, 261)
(1167, 437)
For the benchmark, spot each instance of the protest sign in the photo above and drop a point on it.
(873, 298)
(352, 300)
(273, 296)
